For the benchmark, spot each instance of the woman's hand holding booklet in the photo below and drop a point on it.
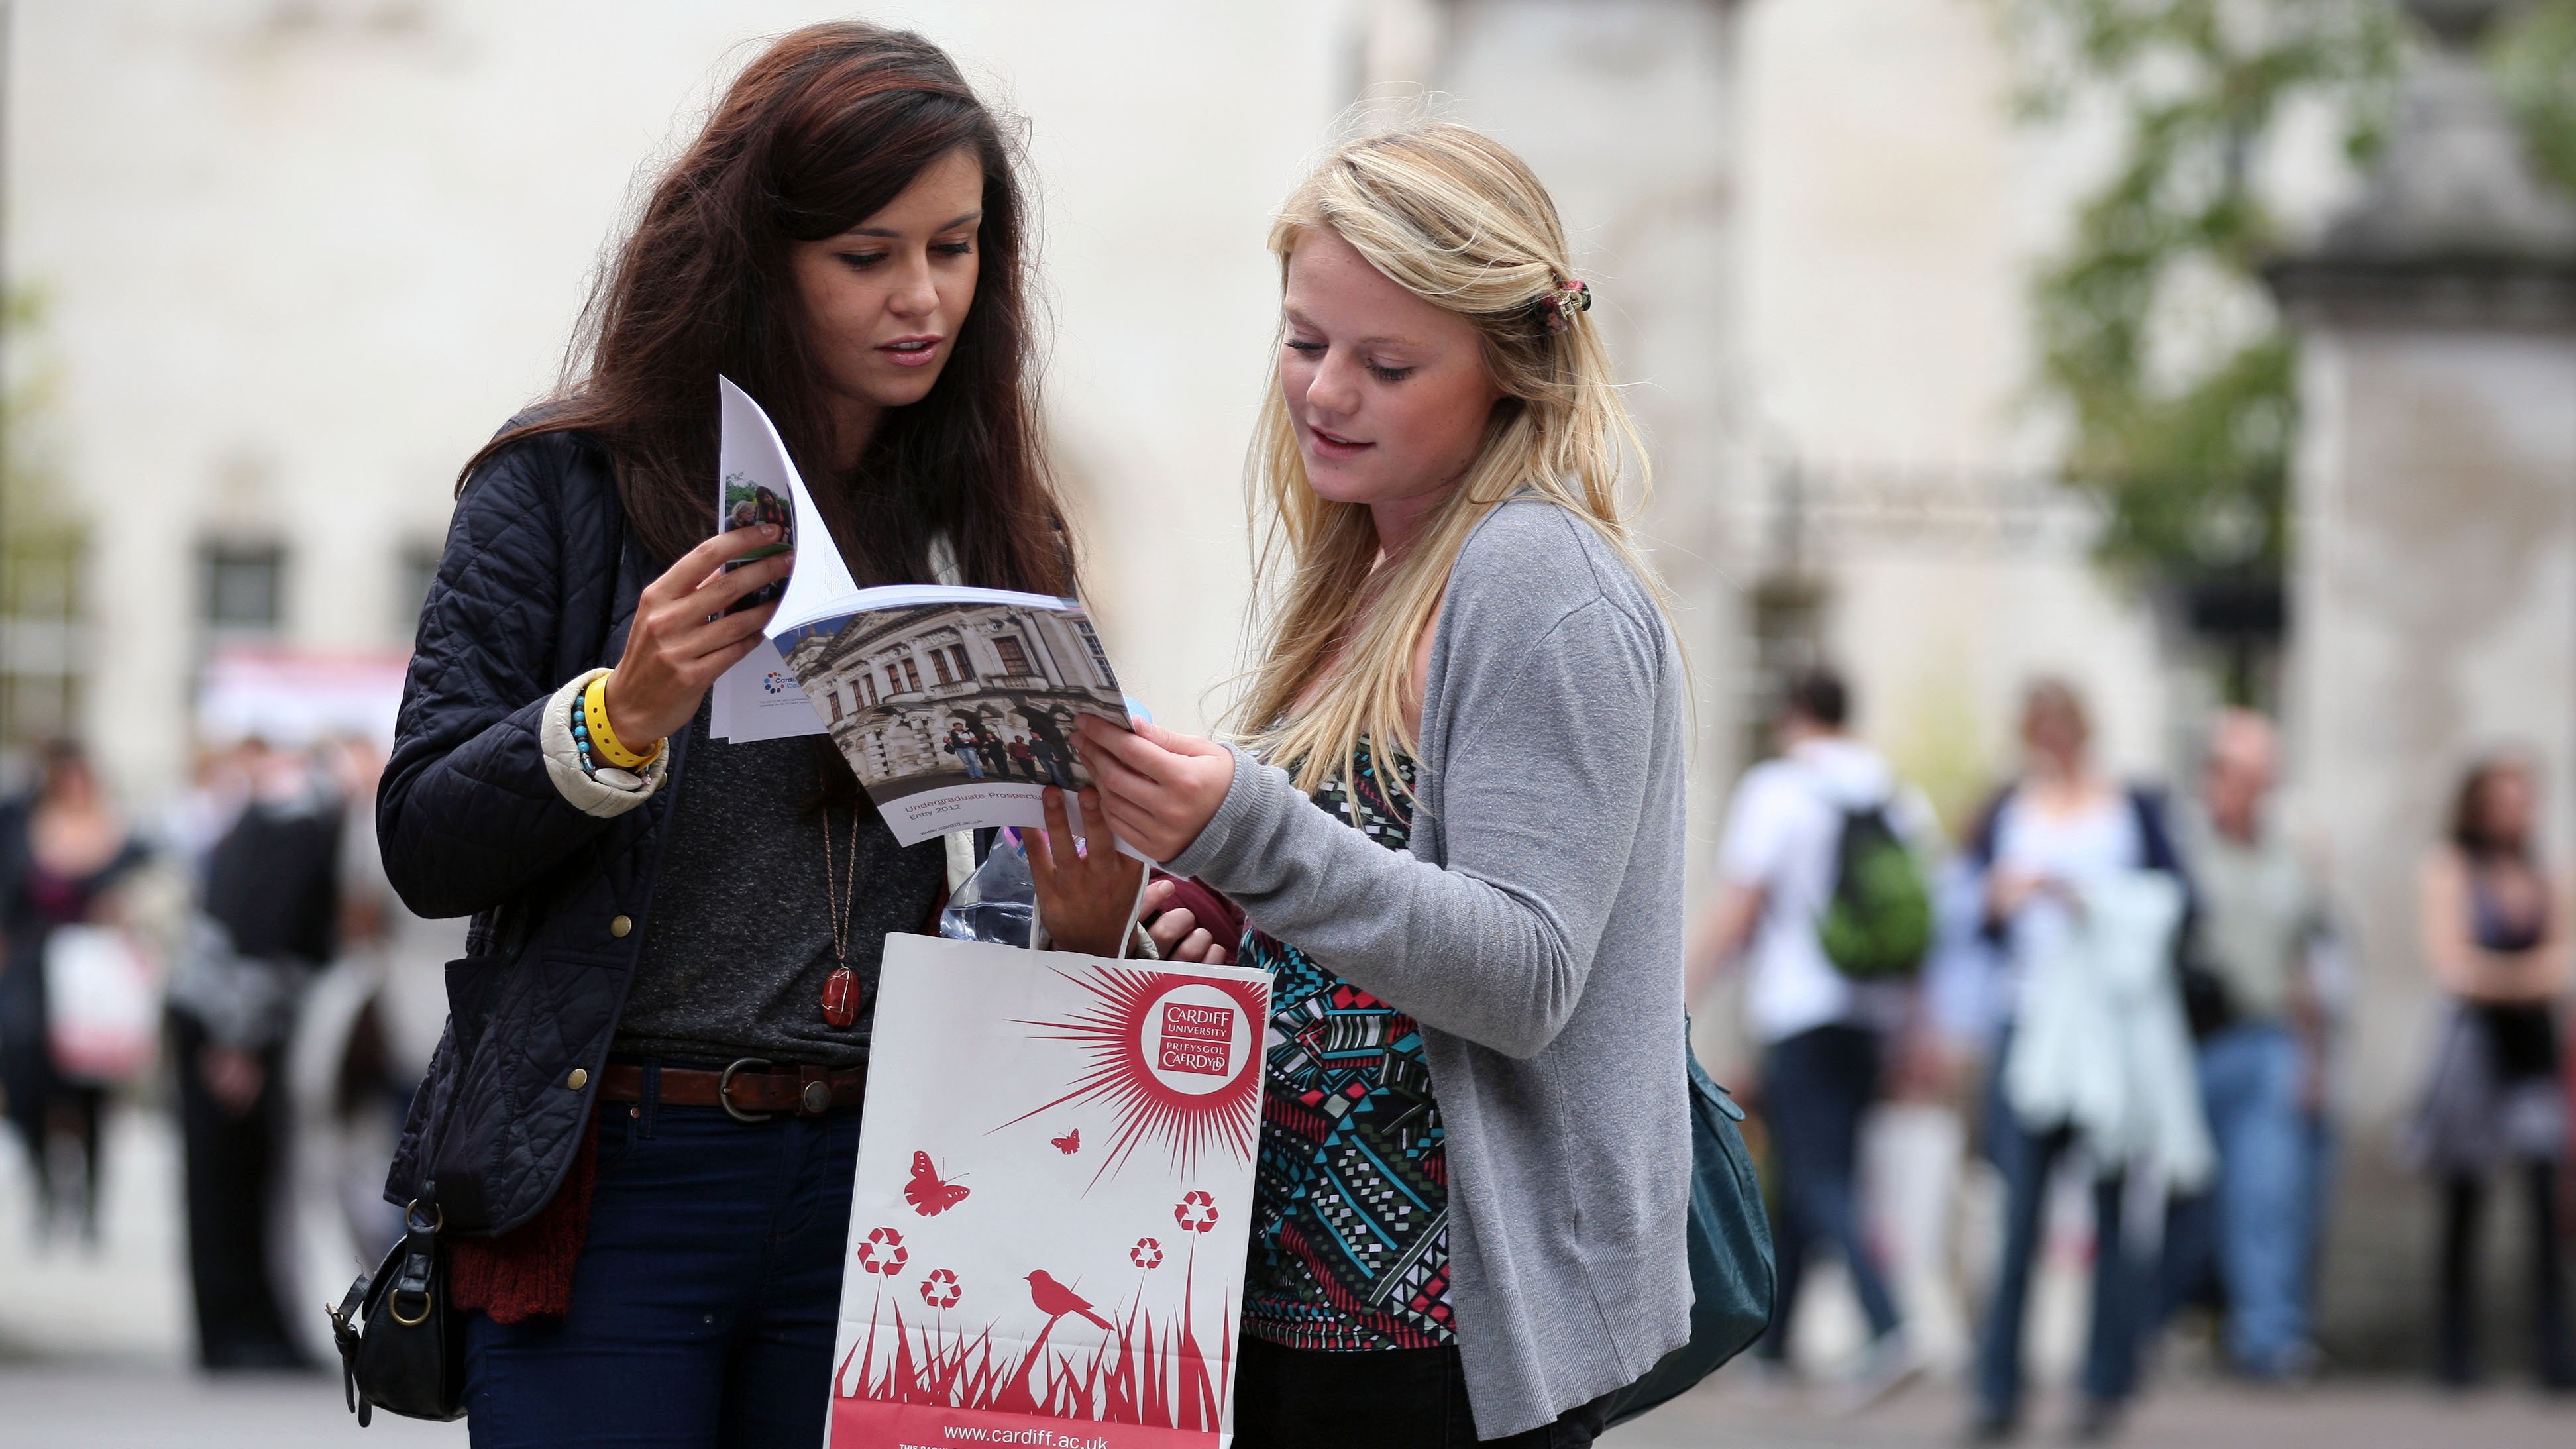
(1159, 788)
(686, 635)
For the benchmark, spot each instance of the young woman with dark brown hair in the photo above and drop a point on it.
(641, 1126)
(2497, 939)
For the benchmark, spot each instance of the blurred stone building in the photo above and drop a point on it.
(2435, 591)
(303, 256)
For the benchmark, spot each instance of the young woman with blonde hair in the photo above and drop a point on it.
(1475, 1150)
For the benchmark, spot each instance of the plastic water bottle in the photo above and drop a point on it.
(998, 901)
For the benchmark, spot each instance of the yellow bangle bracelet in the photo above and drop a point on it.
(594, 711)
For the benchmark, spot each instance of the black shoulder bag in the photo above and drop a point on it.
(401, 1336)
(402, 1341)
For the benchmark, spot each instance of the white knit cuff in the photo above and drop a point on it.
(563, 759)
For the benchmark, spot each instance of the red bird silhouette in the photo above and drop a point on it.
(1056, 1300)
(1070, 1143)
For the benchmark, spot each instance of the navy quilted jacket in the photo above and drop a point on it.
(538, 584)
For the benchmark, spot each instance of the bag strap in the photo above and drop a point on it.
(345, 1320)
(349, 1321)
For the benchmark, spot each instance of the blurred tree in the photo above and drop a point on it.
(2153, 331)
(2536, 69)
(43, 545)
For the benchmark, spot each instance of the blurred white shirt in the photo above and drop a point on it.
(1783, 832)
(2075, 850)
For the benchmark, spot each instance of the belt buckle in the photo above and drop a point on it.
(724, 1090)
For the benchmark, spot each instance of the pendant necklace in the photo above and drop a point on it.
(841, 988)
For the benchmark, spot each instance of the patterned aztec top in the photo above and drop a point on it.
(1350, 1232)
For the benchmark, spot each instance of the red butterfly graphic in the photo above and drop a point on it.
(928, 1195)
(1070, 1143)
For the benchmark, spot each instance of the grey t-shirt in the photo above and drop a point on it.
(2258, 914)
(739, 941)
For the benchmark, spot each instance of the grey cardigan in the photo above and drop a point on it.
(1534, 929)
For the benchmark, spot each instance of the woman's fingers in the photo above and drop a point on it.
(1086, 896)
(727, 657)
(1095, 831)
(1135, 822)
(1101, 741)
(1174, 742)
(725, 587)
(1040, 844)
(698, 638)
(1170, 929)
(1199, 947)
(711, 554)
(1115, 776)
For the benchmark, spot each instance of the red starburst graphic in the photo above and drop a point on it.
(1221, 1107)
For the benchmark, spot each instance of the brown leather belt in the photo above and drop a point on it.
(749, 1090)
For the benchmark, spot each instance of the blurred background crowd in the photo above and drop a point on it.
(2104, 437)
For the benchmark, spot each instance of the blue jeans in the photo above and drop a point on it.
(706, 1299)
(2026, 1158)
(2255, 1224)
(1816, 1087)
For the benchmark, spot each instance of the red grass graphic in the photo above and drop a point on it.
(1155, 1377)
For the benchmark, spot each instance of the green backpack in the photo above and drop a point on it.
(1878, 925)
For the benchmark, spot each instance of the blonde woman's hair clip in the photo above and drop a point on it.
(1563, 301)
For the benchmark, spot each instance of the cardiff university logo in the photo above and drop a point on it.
(1198, 1038)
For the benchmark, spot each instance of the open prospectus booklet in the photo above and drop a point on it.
(956, 706)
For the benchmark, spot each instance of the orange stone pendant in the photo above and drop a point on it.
(841, 996)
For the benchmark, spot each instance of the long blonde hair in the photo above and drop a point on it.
(1453, 217)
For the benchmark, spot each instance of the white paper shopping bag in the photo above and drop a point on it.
(1048, 1226)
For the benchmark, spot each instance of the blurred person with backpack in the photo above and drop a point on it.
(1825, 899)
(2257, 1023)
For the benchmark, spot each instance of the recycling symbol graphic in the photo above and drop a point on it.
(1195, 1212)
(884, 1252)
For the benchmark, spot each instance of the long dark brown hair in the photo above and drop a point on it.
(2471, 831)
(820, 132)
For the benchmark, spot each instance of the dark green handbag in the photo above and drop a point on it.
(1733, 1279)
